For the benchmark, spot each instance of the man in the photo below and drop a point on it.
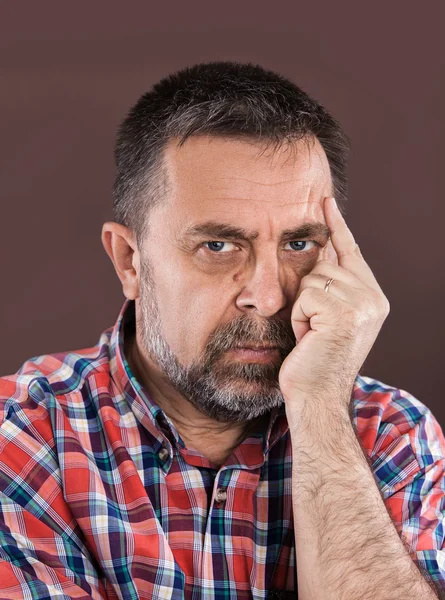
(219, 441)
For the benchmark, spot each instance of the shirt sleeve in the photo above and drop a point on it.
(42, 553)
(37, 563)
(409, 464)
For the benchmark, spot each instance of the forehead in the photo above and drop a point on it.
(210, 177)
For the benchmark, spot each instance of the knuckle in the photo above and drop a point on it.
(382, 305)
(379, 305)
(304, 279)
(386, 307)
(323, 263)
(307, 292)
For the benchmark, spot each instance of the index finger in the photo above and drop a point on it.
(347, 249)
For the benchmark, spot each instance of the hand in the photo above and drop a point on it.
(335, 331)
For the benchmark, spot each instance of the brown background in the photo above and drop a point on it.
(68, 75)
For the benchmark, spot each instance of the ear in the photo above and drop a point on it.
(120, 245)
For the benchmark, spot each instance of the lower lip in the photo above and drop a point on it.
(255, 355)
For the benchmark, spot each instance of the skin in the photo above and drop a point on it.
(237, 184)
(334, 330)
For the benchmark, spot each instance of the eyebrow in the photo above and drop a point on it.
(215, 230)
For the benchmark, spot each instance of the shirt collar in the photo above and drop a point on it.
(147, 412)
(153, 418)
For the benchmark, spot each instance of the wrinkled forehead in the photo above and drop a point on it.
(239, 168)
(242, 184)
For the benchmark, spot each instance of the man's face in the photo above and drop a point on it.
(221, 267)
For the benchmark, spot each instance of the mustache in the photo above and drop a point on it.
(245, 330)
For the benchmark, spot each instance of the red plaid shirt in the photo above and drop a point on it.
(100, 498)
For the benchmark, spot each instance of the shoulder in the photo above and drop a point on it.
(53, 377)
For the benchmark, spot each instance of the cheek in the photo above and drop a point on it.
(190, 309)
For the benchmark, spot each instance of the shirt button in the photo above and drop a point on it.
(163, 454)
(221, 495)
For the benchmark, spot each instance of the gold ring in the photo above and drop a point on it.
(328, 283)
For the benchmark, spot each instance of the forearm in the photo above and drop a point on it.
(347, 547)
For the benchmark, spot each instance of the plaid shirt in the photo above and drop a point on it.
(100, 498)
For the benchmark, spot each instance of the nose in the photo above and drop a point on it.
(264, 288)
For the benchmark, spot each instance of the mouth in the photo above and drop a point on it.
(255, 347)
(251, 353)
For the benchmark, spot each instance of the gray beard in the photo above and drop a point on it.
(226, 392)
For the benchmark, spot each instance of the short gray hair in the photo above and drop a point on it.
(226, 99)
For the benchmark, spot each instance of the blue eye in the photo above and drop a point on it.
(217, 247)
(299, 248)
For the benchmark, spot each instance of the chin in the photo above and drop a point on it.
(250, 386)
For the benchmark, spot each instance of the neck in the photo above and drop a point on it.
(214, 440)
